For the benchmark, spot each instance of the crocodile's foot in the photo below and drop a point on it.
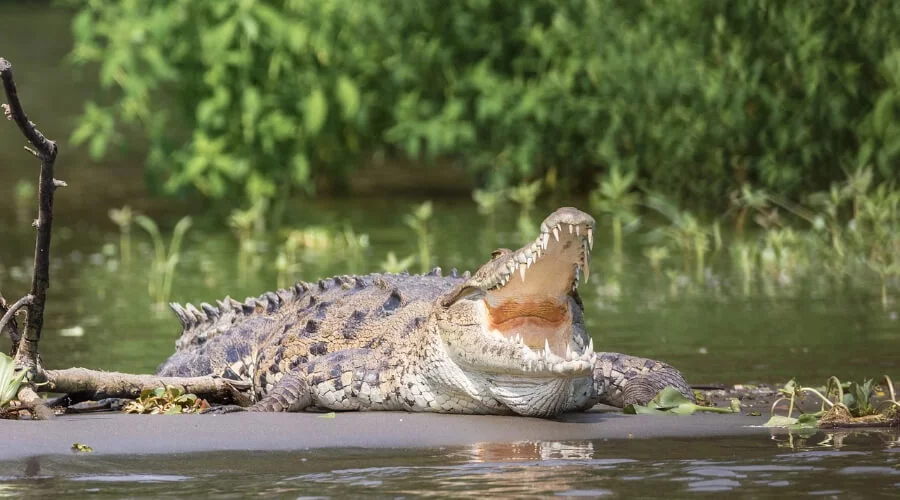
(621, 380)
(222, 410)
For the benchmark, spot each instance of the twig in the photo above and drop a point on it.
(27, 353)
(9, 314)
(39, 410)
(12, 328)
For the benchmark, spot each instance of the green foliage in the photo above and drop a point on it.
(10, 379)
(696, 98)
(81, 448)
(615, 197)
(855, 407)
(669, 401)
(168, 400)
(123, 217)
(162, 270)
(417, 220)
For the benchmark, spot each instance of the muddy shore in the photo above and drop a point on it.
(116, 433)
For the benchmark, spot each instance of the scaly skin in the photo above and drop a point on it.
(509, 339)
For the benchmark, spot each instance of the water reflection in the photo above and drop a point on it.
(531, 450)
(843, 464)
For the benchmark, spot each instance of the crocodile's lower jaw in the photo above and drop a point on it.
(540, 397)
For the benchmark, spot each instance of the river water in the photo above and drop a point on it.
(99, 315)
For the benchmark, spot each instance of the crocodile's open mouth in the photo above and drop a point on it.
(532, 300)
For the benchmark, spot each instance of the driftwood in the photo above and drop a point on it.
(80, 383)
(84, 384)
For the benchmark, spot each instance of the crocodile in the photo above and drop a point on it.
(508, 339)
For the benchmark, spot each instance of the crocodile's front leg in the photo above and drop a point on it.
(343, 380)
(620, 379)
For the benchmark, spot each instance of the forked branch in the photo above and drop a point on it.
(27, 352)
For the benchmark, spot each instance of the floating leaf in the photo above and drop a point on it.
(81, 448)
(671, 401)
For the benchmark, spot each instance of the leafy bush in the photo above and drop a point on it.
(697, 96)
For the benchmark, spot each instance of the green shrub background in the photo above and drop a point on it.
(696, 96)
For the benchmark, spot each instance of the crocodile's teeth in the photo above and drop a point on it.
(556, 233)
(590, 348)
(568, 351)
(547, 351)
(587, 266)
(577, 230)
(522, 269)
(590, 234)
(571, 228)
(545, 240)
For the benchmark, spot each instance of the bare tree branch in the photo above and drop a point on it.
(27, 353)
(14, 111)
(8, 318)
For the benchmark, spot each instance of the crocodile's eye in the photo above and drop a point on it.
(500, 252)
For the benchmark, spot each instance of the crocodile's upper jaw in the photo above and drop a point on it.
(519, 317)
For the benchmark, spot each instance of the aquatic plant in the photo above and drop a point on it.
(168, 400)
(10, 380)
(746, 201)
(843, 404)
(249, 226)
(656, 255)
(418, 220)
(615, 196)
(123, 218)
(164, 261)
(24, 195)
(685, 232)
(393, 265)
(669, 401)
(525, 195)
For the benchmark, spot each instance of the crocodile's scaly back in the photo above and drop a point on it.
(262, 338)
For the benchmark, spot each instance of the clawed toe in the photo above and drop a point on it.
(222, 410)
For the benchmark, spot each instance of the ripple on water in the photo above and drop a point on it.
(131, 478)
(712, 485)
(584, 493)
(870, 469)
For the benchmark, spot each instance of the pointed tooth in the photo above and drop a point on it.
(577, 230)
(556, 233)
(571, 228)
(590, 348)
(568, 351)
(587, 267)
(545, 240)
(522, 269)
(547, 351)
(590, 234)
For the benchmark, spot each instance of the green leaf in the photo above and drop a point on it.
(671, 401)
(81, 448)
(10, 380)
(780, 421)
(316, 111)
(348, 96)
